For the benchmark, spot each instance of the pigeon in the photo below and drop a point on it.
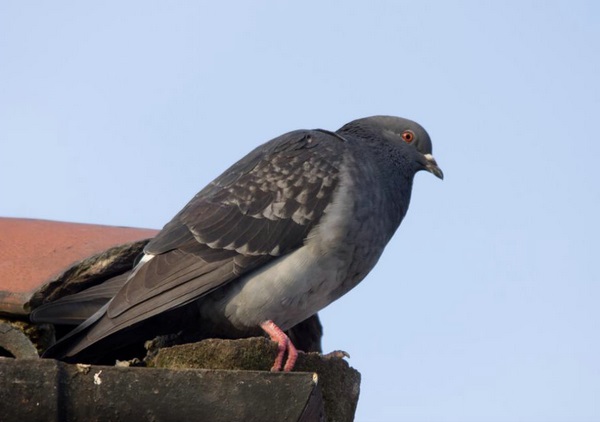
(281, 234)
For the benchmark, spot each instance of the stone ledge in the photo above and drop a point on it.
(48, 390)
(339, 382)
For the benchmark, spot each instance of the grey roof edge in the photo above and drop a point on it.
(49, 390)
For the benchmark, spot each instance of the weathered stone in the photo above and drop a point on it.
(339, 382)
(20, 339)
(89, 272)
(48, 390)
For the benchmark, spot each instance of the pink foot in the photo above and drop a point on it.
(283, 343)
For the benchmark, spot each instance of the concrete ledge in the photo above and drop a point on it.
(48, 390)
(339, 383)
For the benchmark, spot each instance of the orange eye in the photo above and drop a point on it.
(408, 136)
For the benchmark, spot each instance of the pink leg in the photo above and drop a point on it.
(283, 343)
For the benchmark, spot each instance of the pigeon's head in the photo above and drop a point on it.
(405, 135)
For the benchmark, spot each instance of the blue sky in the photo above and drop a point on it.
(484, 306)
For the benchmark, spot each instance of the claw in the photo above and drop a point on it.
(338, 354)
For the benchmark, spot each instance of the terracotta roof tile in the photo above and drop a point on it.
(32, 252)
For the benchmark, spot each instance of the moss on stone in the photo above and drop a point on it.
(340, 383)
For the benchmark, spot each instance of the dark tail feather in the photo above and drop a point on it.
(62, 349)
(76, 308)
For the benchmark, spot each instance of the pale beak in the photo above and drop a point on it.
(432, 167)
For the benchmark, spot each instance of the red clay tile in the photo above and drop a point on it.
(32, 252)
